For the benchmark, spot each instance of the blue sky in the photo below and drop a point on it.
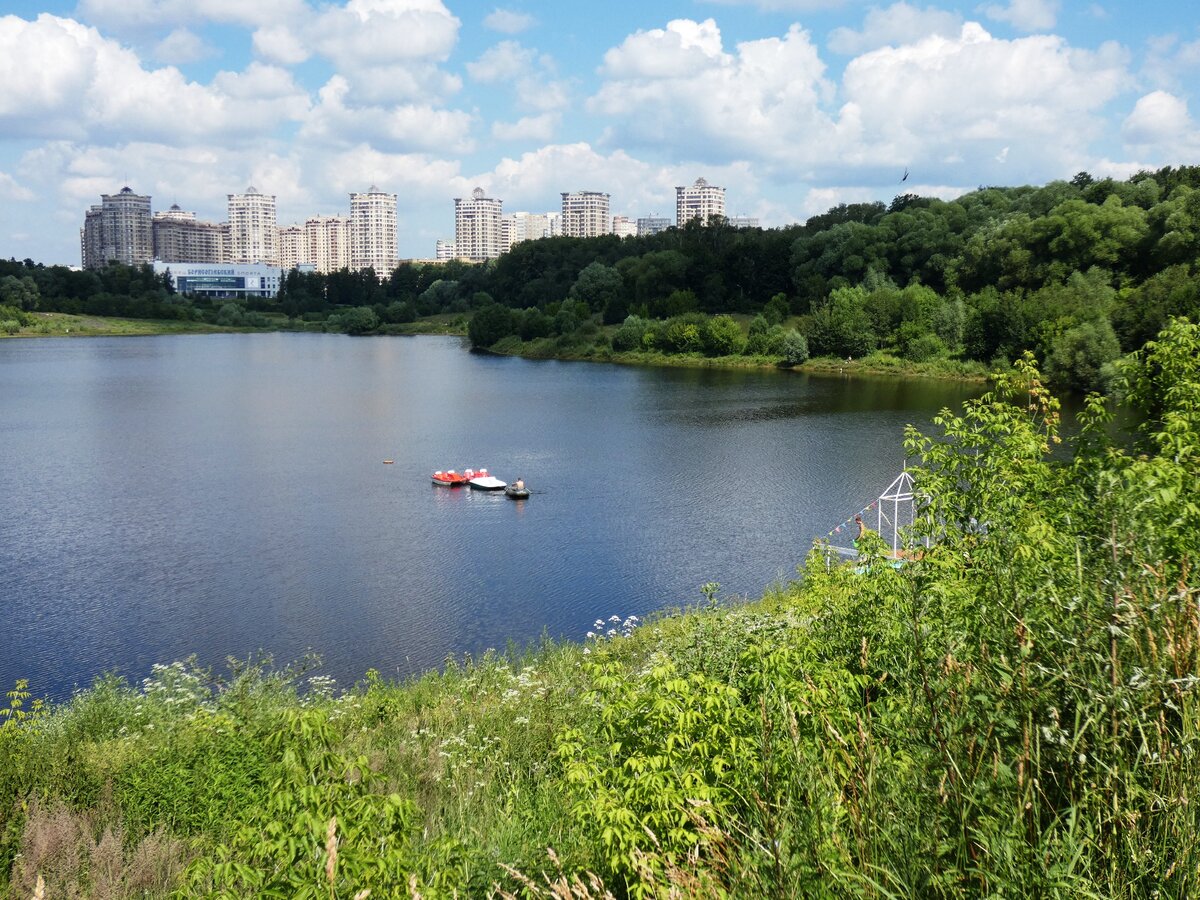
(792, 105)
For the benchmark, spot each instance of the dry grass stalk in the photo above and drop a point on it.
(61, 856)
(331, 851)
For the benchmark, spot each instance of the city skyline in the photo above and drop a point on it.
(792, 105)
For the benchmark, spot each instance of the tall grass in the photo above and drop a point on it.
(1013, 712)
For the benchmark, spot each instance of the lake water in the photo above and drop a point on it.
(225, 494)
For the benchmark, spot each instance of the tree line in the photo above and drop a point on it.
(1076, 271)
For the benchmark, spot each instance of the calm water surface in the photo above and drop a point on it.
(225, 494)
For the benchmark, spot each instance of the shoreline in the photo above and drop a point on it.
(878, 364)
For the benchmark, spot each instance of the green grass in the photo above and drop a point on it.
(66, 325)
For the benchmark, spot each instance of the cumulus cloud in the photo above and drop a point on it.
(366, 33)
(61, 79)
(503, 62)
(11, 190)
(279, 43)
(1160, 120)
(1170, 63)
(403, 128)
(508, 21)
(182, 46)
(1026, 15)
(900, 23)
(125, 15)
(683, 49)
(538, 129)
(388, 50)
(968, 98)
(679, 90)
(527, 72)
(798, 6)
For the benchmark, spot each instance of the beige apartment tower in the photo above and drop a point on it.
(253, 229)
(179, 237)
(701, 201)
(373, 231)
(585, 214)
(118, 230)
(328, 239)
(478, 229)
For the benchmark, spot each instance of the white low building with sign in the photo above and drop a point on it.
(226, 280)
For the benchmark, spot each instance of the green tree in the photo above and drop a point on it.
(19, 292)
(490, 324)
(358, 320)
(629, 335)
(841, 326)
(598, 285)
(722, 336)
(1081, 357)
(795, 348)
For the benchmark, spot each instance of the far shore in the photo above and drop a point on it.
(65, 325)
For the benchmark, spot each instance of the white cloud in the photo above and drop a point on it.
(279, 43)
(60, 79)
(388, 50)
(534, 129)
(684, 48)
(1026, 15)
(900, 23)
(1169, 63)
(525, 71)
(182, 46)
(366, 33)
(508, 21)
(798, 6)
(123, 15)
(679, 91)
(970, 96)
(404, 128)
(11, 190)
(504, 62)
(1158, 118)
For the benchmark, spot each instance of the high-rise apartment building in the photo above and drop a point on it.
(328, 239)
(623, 227)
(91, 236)
(179, 237)
(477, 226)
(293, 249)
(253, 229)
(373, 231)
(525, 226)
(652, 224)
(585, 214)
(118, 230)
(700, 201)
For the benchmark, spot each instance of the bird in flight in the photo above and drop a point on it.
(905, 178)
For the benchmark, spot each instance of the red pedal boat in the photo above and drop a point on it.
(452, 478)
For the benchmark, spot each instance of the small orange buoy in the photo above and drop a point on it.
(388, 462)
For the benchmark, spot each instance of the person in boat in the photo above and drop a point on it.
(519, 484)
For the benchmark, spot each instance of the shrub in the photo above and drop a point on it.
(795, 348)
(722, 336)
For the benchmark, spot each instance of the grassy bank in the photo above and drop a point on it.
(879, 363)
(1012, 712)
(65, 325)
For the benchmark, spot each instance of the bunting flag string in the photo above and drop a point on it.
(838, 530)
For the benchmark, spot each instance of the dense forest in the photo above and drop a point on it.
(1009, 709)
(1077, 271)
